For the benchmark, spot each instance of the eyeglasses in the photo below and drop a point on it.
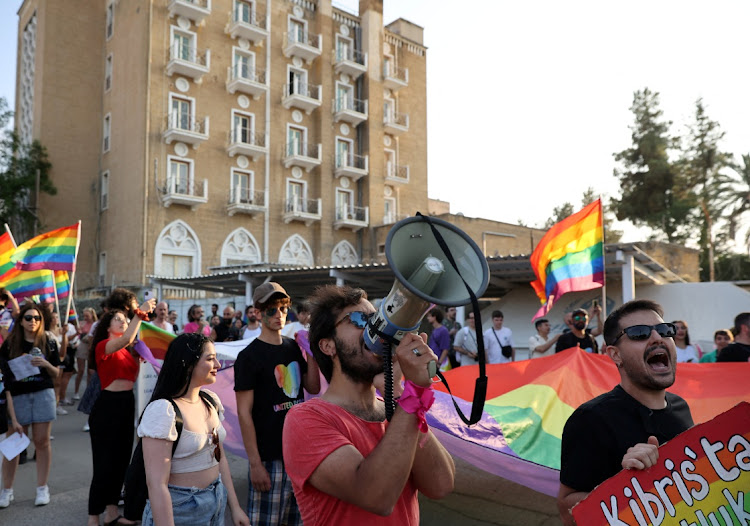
(642, 332)
(215, 442)
(358, 318)
(30, 317)
(271, 311)
(579, 318)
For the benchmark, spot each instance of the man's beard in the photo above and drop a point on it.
(354, 365)
(252, 319)
(580, 325)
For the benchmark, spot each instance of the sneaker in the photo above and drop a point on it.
(61, 411)
(86, 427)
(6, 497)
(42, 496)
(67, 401)
(76, 397)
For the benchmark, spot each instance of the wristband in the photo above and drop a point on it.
(141, 314)
(417, 401)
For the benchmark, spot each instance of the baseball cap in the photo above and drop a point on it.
(263, 292)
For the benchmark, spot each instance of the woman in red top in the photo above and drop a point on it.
(112, 417)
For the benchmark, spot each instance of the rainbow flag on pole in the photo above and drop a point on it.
(33, 283)
(7, 248)
(156, 339)
(570, 257)
(54, 250)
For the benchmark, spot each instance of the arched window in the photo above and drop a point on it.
(178, 251)
(240, 248)
(344, 254)
(296, 251)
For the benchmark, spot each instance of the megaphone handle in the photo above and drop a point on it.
(432, 368)
(390, 406)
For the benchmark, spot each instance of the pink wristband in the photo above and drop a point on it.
(417, 401)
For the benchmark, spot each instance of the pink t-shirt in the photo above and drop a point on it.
(193, 327)
(314, 430)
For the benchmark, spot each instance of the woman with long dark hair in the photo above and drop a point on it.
(686, 352)
(33, 397)
(194, 485)
(111, 419)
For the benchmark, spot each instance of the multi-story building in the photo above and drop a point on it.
(194, 134)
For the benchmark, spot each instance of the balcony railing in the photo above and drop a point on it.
(396, 173)
(182, 191)
(186, 128)
(246, 142)
(353, 217)
(195, 10)
(303, 45)
(246, 80)
(306, 155)
(187, 61)
(349, 109)
(396, 123)
(301, 95)
(246, 201)
(252, 26)
(349, 61)
(395, 78)
(298, 209)
(351, 165)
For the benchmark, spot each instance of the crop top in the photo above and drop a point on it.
(120, 365)
(194, 452)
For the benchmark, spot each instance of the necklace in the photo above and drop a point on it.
(188, 401)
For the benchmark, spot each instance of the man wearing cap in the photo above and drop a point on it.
(269, 375)
(579, 335)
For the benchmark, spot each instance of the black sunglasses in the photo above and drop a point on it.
(642, 332)
(358, 318)
(30, 317)
(271, 311)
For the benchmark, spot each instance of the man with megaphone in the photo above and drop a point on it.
(347, 463)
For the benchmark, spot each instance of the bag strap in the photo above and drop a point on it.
(178, 422)
(498, 339)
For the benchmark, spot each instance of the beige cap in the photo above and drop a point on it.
(262, 293)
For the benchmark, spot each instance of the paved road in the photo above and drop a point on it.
(479, 498)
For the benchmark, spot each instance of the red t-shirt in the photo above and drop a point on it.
(120, 365)
(314, 430)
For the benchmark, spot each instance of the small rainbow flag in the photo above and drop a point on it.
(570, 256)
(7, 267)
(54, 250)
(156, 339)
(72, 315)
(33, 283)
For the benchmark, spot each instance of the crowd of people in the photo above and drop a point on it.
(334, 459)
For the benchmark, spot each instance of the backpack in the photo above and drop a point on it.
(136, 489)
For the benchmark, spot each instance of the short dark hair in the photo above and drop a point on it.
(724, 332)
(740, 320)
(538, 322)
(122, 299)
(612, 323)
(497, 314)
(276, 297)
(326, 304)
(437, 312)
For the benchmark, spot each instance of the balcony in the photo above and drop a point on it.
(396, 173)
(303, 45)
(395, 78)
(246, 142)
(185, 128)
(250, 26)
(251, 81)
(304, 155)
(301, 95)
(246, 201)
(389, 219)
(351, 165)
(347, 109)
(349, 61)
(195, 10)
(182, 192)
(305, 210)
(396, 123)
(353, 217)
(186, 61)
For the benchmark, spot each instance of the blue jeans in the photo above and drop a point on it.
(194, 506)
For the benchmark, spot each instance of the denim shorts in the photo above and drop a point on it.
(194, 506)
(36, 407)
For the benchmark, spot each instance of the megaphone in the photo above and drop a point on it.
(424, 277)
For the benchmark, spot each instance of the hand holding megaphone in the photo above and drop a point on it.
(418, 362)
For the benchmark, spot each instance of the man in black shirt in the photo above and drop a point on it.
(579, 335)
(739, 351)
(623, 428)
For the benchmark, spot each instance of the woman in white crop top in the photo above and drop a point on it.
(193, 485)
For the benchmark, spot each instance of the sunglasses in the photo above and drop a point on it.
(215, 442)
(30, 317)
(643, 332)
(271, 311)
(358, 318)
(579, 318)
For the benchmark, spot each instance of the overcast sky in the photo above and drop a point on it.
(527, 101)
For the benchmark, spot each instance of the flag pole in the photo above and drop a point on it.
(604, 264)
(10, 234)
(72, 275)
(57, 301)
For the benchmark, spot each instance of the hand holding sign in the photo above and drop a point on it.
(642, 456)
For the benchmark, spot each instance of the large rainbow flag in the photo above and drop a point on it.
(54, 250)
(569, 257)
(7, 267)
(28, 284)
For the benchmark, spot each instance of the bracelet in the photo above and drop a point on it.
(141, 314)
(417, 401)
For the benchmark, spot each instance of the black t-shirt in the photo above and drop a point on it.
(225, 332)
(568, 340)
(275, 373)
(598, 434)
(734, 352)
(30, 384)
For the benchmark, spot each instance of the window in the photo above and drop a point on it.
(110, 19)
(244, 11)
(389, 210)
(178, 251)
(179, 180)
(104, 191)
(240, 248)
(343, 152)
(108, 73)
(183, 45)
(102, 268)
(298, 82)
(344, 48)
(295, 140)
(388, 65)
(297, 31)
(389, 109)
(390, 163)
(242, 128)
(344, 204)
(181, 114)
(242, 187)
(296, 192)
(107, 132)
(344, 97)
(176, 265)
(244, 65)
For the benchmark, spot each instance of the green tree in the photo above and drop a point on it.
(558, 214)
(24, 171)
(652, 192)
(738, 196)
(610, 234)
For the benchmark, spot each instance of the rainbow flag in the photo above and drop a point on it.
(54, 250)
(7, 267)
(33, 283)
(156, 339)
(528, 402)
(72, 315)
(570, 257)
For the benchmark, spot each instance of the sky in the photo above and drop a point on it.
(527, 101)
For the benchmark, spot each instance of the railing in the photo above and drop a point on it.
(351, 160)
(303, 89)
(304, 206)
(186, 122)
(190, 54)
(396, 119)
(351, 55)
(394, 72)
(389, 219)
(303, 149)
(202, 4)
(351, 213)
(397, 172)
(247, 196)
(240, 17)
(240, 136)
(182, 186)
(350, 104)
(239, 71)
(305, 39)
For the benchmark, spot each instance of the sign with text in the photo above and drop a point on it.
(702, 478)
